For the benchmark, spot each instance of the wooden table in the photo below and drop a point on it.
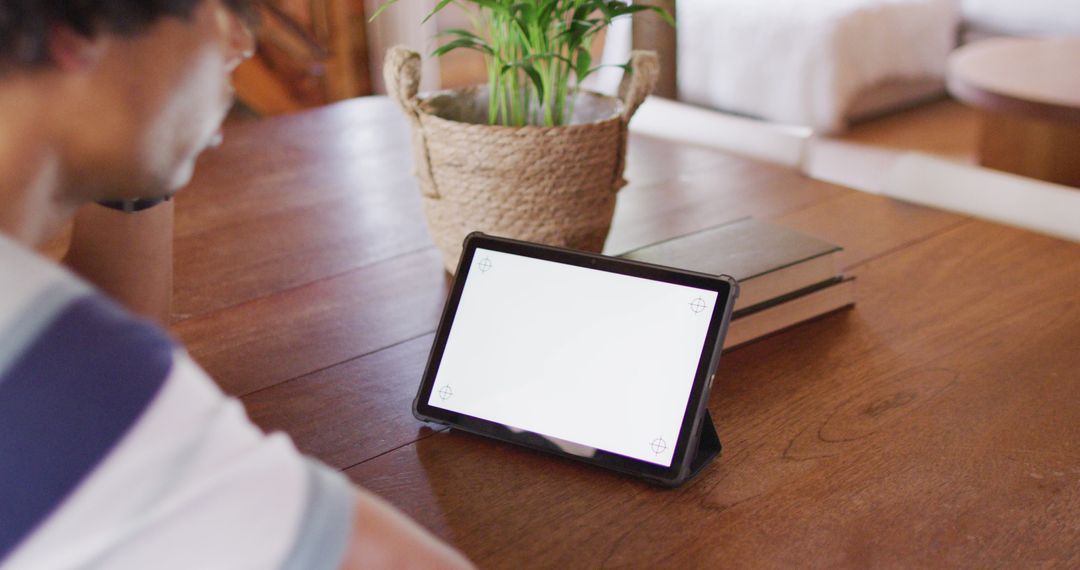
(936, 424)
(1028, 91)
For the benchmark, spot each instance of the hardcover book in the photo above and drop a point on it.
(785, 277)
(768, 260)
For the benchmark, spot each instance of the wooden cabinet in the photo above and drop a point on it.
(311, 52)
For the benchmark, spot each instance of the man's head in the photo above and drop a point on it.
(129, 92)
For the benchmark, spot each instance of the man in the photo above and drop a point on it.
(116, 450)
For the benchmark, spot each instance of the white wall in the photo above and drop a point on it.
(1023, 17)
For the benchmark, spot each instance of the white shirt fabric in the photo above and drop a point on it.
(192, 484)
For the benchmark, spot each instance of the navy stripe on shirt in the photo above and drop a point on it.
(67, 401)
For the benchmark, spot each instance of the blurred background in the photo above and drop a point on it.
(314, 52)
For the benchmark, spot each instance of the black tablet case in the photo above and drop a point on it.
(708, 447)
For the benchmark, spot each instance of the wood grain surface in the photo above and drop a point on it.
(935, 425)
(1036, 148)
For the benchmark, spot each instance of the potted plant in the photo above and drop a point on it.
(530, 155)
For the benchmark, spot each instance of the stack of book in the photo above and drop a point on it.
(785, 277)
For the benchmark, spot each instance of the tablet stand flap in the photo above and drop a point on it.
(708, 446)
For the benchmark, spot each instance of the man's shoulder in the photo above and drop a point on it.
(43, 303)
(76, 372)
(118, 447)
(56, 328)
(29, 283)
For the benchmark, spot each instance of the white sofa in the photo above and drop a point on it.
(824, 63)
(806, 62)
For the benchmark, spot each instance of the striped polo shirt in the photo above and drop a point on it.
(117, 450)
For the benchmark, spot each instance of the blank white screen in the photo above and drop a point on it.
(595, 358)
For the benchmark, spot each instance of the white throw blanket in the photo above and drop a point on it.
(803, 61)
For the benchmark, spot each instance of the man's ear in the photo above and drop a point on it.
(74, 52)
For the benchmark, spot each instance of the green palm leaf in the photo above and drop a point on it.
(533, 48)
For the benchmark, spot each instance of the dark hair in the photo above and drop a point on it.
(24, 24)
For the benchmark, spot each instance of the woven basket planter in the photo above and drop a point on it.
(553, 185)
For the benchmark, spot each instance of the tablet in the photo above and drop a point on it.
(594, 358)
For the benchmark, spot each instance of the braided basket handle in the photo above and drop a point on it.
(636, 85)
(639, 82)
(401, 72)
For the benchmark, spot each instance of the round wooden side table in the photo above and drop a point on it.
(1028, 92)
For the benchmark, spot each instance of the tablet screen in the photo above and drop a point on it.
(588, 359)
